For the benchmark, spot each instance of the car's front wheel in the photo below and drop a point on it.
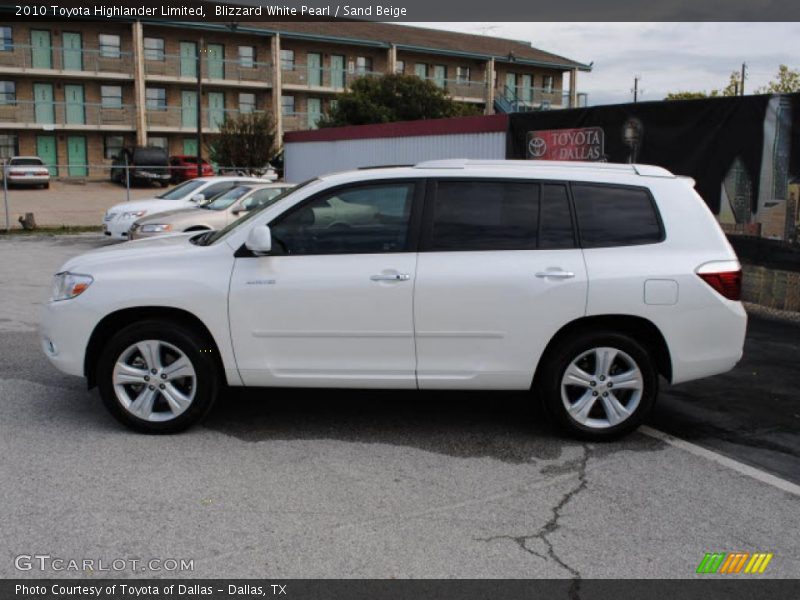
(599, 385)
(158, 377)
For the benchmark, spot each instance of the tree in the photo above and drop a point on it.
(786, 81)
(732, 89)
(392, 98)
(245, 142)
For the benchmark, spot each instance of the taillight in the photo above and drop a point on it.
(724, 276)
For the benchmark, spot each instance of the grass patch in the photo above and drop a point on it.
(53, 230)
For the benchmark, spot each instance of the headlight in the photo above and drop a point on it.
(156, 228)
(135, 214)
(69, 285)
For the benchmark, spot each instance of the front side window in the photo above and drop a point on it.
(247, 57)
(485, 215)
(287, 60)
(156, 98)
(109, 45)
(358, 220)
(112, 145)
(8, 92)
(111, 96)
(6, 39)
(615, 216)
(154, 48)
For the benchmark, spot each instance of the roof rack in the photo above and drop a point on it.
(463, 163)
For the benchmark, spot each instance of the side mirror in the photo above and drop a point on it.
(259, 240)
(197, 198)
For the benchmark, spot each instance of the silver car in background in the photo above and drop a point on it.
(216, 214)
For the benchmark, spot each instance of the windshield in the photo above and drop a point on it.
(224, 201)
(181, 190)
(212, 237)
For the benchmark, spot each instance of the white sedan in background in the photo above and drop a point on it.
(119, 218)
(27, 170)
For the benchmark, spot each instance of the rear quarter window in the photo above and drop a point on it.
(610, 215)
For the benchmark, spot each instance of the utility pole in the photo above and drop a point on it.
(200, 107)
(744, 75)
(636, 88)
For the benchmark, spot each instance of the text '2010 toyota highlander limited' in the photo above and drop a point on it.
(581, 282)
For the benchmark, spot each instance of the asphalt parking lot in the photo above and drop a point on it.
(297, 483)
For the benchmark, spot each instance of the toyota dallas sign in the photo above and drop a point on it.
(585, 143)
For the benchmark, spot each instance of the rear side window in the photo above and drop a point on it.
(485, 215)
(615, 216)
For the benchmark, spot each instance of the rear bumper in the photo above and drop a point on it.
(706, 342)
(32, 180)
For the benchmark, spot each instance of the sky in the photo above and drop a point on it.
(666, 56)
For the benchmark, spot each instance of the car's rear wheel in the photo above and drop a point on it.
(599, 385)
(158, 377)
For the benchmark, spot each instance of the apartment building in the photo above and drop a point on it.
(75, 92)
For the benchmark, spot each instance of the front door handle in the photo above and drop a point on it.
(555, 274)
(392, 277)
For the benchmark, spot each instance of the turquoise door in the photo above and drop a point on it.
(72, 51)
(46, 150)
(41, 54)
(188, 59)
(190, 146)
(216, 110)
(76, 156)
(75, 107)
(314, 112)
(44, 108)
(189, 109)
(216, 58)
(337, 71)
(439, 75)
(314, 66)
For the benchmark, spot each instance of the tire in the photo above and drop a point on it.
(192, 389)
(46, 186)
(591, 391)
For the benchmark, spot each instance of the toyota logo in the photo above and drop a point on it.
(537, 147)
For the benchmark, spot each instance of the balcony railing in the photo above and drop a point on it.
(521, 99)
(65, 115)
(321, 77)
(459, 88)
(66, 60)
(178, 118)
(299, 121)
(175, 66)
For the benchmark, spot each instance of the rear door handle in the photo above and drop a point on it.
(392, 277)
(555, 274)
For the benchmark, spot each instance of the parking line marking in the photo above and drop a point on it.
(747, 470)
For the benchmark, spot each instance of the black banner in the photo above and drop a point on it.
(735, 587)
(409, 10)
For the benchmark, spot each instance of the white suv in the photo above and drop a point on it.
(582, 282)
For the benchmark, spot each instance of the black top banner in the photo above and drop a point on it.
(407, 10)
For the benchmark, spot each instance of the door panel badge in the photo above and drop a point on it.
(260, 282)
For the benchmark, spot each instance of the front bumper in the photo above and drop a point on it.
(117, 227)
(64, 329)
